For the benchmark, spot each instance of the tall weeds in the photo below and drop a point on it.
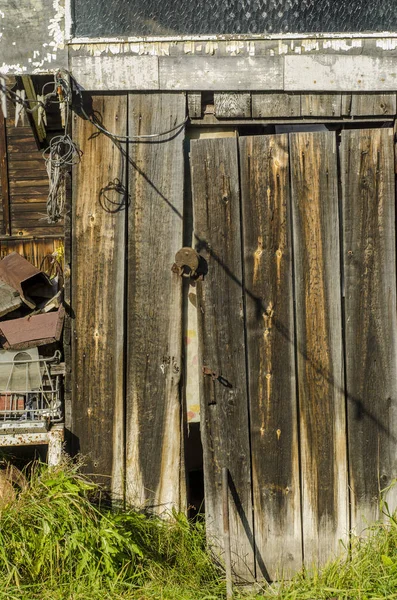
(53, 535)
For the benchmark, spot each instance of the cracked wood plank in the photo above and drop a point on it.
(368, 105)
(321, 105)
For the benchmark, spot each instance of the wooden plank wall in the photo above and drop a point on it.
(33, 249)
(271, 359)
(27, 183)
(275, 105)
(267, 220)
(154, 443)
(224, 406)
(98, 261)
(369, 257)
(127, 331)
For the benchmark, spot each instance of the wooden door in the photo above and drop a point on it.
(288, 224)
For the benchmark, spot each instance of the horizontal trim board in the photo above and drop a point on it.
(334, 73)
(300, 73)
(117, 72)
(230, 37)
(221, 73)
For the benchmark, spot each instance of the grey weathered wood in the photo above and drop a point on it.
(231, 105)
(368, 105)
(367, 168)
(223, 404)
(9, 299)
(98, 263)
(319, 343)
(116, 72)
(154, 445)
(275, 105)
(271, 358)
(321, 105)
(335, 73)
(221, 73)
(194, 106)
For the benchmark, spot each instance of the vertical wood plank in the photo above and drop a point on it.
(367, 164)
(4, 181)
(224, 404)
(321, 105)
(194, 105)
(155, 465)
(319, 343)
(271, 358)
(232, 105)
(275, 105)
(98, 249)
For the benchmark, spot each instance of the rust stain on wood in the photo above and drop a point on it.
(319, 342)
(98, 262)
(155, 468)
(270, 344)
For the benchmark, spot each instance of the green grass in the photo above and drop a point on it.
(57, 542)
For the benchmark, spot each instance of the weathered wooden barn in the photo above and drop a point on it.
(264, 138)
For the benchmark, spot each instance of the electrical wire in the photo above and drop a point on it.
(132, 138)
(60, 156)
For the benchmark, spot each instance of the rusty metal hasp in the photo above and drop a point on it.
(186, 262)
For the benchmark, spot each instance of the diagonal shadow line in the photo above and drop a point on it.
(247, 528)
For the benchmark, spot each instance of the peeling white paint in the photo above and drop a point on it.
(234, 48)
(386, 44)
(251, 48)
(57, 23)
(309, 45)
(210, 47)
(342, 45)
(282, 47)
(17, 69)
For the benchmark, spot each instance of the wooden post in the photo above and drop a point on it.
(226, 532)
(5, 191)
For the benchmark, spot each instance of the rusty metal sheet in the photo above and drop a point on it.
(29, 281)
(36, 330)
